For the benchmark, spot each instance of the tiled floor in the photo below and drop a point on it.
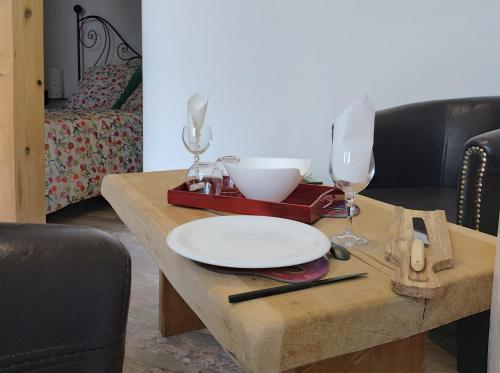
(146, 350)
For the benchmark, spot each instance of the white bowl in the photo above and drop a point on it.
(268, 179)
(304, 165)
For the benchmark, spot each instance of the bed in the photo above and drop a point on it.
(91, 137)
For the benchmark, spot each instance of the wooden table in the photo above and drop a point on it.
(358, 326)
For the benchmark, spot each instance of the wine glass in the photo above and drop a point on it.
(350, 188)
(228, 184)
(204, 178)
(197, 140)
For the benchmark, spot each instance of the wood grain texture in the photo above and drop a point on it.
(438, 254)
(21, 111)
(404, 356)
(296, 329)
(175, 316)
(145, 351)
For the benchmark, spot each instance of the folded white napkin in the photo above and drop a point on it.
(353, 141)
(196, 110)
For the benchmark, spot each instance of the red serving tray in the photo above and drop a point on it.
(305, 204)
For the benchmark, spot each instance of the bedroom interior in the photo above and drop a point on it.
(95, 77)
(97, 288)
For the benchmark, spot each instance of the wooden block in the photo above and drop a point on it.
(174, 314)
(438, 255)
(21, 111)
(404, 356)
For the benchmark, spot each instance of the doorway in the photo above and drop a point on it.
(93, 116)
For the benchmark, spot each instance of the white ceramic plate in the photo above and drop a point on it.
(243, 241)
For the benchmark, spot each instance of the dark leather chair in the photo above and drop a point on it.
(441, 155)
(444, 155)
(64, 295)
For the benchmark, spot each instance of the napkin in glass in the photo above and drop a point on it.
(353, 141)
(196, 111)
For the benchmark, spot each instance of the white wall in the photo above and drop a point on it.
(60, 31)
(279, 71)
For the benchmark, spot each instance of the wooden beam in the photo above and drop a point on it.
(21, 111)
(175, 316)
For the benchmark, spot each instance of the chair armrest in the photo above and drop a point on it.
(64, 294)
(479, 197)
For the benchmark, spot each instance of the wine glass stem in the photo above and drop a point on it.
(350, 206)
(196, 159)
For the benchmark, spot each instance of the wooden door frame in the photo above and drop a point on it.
(22, 170)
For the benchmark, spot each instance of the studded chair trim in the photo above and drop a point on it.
(478, 185)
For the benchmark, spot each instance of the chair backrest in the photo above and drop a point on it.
(423, 143)
(494, 343)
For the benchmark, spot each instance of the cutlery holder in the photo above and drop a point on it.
(438, 255)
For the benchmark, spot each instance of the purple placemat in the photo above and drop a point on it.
(300, 273)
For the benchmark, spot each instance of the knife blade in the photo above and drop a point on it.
(420, 231)
(420, 241)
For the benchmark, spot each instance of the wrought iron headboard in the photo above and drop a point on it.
(87, 37)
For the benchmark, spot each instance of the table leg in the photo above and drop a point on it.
(175, 316)
(404, 356)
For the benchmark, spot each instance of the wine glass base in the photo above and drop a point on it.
(349, 239)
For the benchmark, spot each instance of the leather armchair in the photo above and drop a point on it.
(444, 155)
(64, 295)
(441, 155)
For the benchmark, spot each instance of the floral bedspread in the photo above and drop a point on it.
(84, 146)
